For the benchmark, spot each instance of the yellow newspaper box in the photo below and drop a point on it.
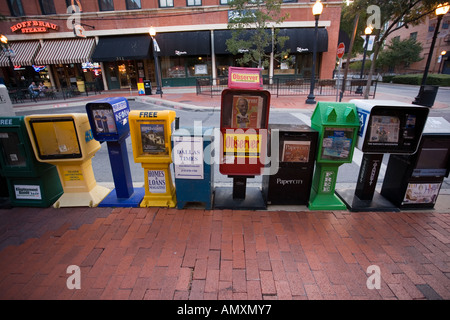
(66, 141)
(151, 141)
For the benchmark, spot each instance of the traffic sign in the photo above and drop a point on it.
(340, 50)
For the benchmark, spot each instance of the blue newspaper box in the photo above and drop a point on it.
(193, 166)
(109, 123)
(109, 118)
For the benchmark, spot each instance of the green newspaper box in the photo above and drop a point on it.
(30, 182)
(337, 124)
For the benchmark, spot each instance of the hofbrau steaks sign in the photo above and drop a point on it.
(34, 26)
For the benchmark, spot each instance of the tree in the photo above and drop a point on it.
(389, 16)
(400, 53)
(251, 22)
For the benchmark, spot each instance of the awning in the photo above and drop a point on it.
(65, 51)
(189, 43)
(301, 40)
(25, 52)
(135, 47)
(221, 37)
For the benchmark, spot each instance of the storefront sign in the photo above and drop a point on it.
(34, 26)
(299, 49)
(244, 78)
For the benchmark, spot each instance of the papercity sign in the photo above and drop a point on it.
(34, 26)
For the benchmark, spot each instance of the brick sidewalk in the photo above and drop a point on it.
(153, 253)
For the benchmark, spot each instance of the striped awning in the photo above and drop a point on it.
(25, 53)
(65, 51)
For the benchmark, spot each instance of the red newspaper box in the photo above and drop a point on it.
(244, 121)
(243, 125)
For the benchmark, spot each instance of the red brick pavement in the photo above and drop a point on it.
(160, 253)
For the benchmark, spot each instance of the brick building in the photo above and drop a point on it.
(117, 49)
(423, 33)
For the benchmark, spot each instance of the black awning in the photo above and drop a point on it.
(221, 37)
(301, 40)
(190, 43)
(135, 47)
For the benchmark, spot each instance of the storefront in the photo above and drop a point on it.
(65, 58)
(126, 59)
(300, 45)
(298, 63)
(184, 56)
(22, 54)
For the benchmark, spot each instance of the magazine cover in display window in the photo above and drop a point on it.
(152, 136)
(385, 129)
(295, 151)
(336, 144)
(247, 111)
(104, 121)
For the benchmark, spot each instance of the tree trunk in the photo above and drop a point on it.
(372, 66)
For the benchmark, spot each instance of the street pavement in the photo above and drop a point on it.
(283, 253)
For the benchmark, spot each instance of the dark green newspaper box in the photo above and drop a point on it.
(30, 182)
(337, 124)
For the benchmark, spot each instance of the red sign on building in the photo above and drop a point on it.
(34, 26)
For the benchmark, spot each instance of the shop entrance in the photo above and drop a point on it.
(123, 74)
(127, 74)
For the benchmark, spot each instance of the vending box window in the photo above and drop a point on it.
(297, 149)
(151, 133)
(337, 124)
(387, 127)
(414, 181)
(66, 141)
(108, 119)
(29, 182)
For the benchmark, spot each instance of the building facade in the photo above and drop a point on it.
(67, 42)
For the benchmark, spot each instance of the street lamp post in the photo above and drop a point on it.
(317, 11)
(152, 33)
(367, 32)
(440, 11)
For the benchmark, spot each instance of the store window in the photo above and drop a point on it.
(106, 5)
(173, 67)
(133, 4)
(183, 67)
(223, 1)
(47, 6)
(16, 8)
(286, 66)
(198, 66)
(165, 3)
